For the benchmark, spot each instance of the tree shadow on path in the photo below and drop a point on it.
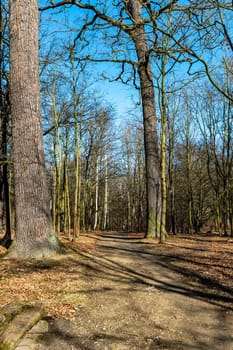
(159, 269)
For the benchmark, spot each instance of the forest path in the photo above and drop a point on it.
(140, 296)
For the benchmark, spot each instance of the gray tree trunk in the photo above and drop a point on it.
(152, 159)
(33, 227)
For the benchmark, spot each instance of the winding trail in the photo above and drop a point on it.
(137, 298)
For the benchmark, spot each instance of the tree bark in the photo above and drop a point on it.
(171, 172)
(77, 142)
(153, 182)
(163, 111)
(57, 202)
(33, 226)
(96, 193)
(105, 223)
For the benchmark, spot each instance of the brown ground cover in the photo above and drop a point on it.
(205, 257)
(120, 291)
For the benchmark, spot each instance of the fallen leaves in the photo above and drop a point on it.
(59, 284)
(204, 255)
(46, 282)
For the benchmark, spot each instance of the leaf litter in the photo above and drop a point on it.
(57, 284)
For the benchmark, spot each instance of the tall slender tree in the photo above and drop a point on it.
(152, 160)
(5, 221)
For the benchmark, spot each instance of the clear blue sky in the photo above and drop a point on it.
(61, 27)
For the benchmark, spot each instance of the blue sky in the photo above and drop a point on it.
(62, 27)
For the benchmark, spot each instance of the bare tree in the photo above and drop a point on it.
(195, 28)
(132, 12)
(5, 220)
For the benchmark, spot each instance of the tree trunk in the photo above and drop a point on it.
(171, 173)
(105, 223)
(7, 237)
(153, 183)
(96, 193)
(77, 146)
(67, 216)
(34, 236)
(163, 112)
(54, 197)
(188, 162)
(57, 166)
(4, 119)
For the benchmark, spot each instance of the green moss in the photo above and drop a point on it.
(153, 230)
(73, 297)
(17, 319)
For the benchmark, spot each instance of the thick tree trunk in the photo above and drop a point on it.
(153, 182)
(33, 227)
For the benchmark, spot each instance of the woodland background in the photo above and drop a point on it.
(95, 149)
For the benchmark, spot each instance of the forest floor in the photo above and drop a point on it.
(118, 291)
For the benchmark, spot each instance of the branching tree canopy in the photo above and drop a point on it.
(141, 26)
(143, 40)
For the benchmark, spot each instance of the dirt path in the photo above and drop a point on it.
(137, 297)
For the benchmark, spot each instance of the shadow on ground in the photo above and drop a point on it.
(142, 296)
(177, 274)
